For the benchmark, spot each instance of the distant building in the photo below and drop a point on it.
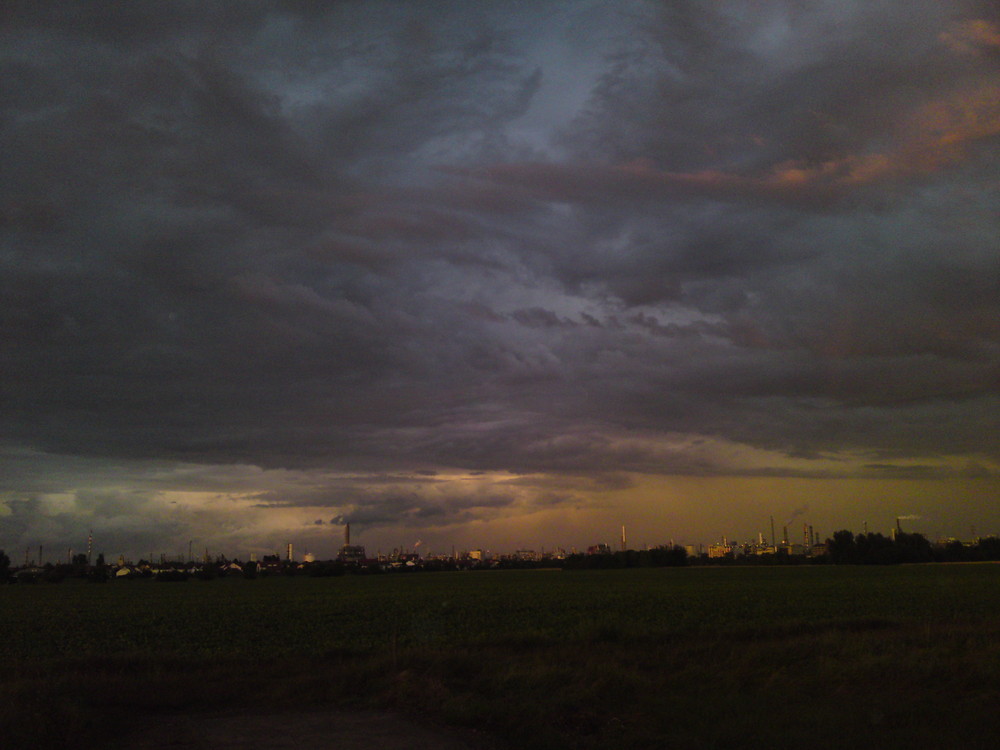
(717, 551)
(352, 553)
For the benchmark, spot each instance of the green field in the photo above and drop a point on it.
(832, 656)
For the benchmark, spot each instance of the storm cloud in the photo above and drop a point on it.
(565, 241)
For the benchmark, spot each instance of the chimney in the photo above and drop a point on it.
(347, 534)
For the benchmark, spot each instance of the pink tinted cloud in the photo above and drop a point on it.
(971, 37)
(936, 136)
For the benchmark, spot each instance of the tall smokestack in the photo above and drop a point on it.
(772, 532)
(623, 538)
(289, 552)
(784, 535)
(90, 546)
(347, 534)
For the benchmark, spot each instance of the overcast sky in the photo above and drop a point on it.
(496, 274)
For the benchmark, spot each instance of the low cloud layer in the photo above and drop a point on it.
(570, 241)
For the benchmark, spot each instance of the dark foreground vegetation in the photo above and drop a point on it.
(712, 657)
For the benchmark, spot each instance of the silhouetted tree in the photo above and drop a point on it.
(988, 548)
(955, 551)
(4, 567)
(842, 548)
(661, 557)
(912, 548)
(876, 549)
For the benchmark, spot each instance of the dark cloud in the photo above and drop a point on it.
(542, 238)
(421, 511)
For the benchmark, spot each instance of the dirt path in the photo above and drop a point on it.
(307, 730)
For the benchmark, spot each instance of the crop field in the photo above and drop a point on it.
(832, 656)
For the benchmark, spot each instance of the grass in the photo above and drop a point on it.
(830, 656)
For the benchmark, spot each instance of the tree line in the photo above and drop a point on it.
(877, 549)
(843, 548)
(658, 557)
